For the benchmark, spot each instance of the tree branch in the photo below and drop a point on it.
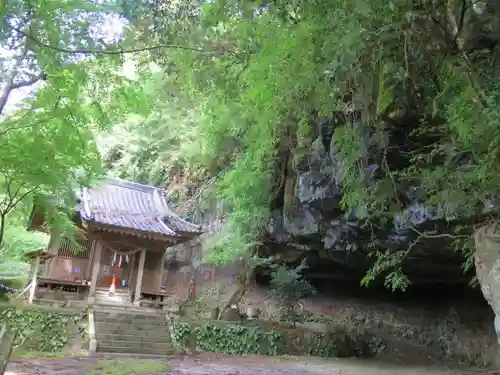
(29, 82)
(9, 86)
(2, 228)
(11, 201)
(104, 52)
(7, 196)
(26, 126)
(5, 131)
(15, 202)
(441, 235)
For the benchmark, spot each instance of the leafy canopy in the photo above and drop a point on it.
(408, 89)
(233, 98)
(60, 82)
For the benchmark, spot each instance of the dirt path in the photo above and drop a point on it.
(225, 365)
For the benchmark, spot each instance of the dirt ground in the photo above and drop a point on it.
(214, 364)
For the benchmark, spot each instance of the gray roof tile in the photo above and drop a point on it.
(135, 206)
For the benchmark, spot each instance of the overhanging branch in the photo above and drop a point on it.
(9, 85)
(29, 82)
(90, 51)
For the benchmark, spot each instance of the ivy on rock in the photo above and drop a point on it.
(41, 330)
(241, 339)
(231, 339)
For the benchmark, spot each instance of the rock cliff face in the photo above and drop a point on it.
(309, 220)
(311, 223)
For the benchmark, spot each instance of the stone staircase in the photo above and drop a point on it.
(132, 333)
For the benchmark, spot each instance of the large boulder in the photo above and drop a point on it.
(487, 262)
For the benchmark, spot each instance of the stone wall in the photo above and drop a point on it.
(214, 285)
(46, 329)
(459, 329)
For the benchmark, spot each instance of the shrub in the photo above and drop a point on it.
(288, 287)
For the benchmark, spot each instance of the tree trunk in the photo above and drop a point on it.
(238, 295)
(2, 228)
(487, 262)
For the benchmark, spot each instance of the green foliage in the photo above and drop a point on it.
(444, 335)
(125, 366)
(225, 90)
(17, 241)
(61, 82)
(154, 148)
(261, 77)
(375, 54)
(288, 286)
(40, 330)
(388, 265)
(253, 339)
(13, 275)
(335, 344)
(231, 339)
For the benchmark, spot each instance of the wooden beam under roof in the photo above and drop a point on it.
(117, 242)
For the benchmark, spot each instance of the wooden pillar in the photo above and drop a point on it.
(33, 279)
(131, 268)
(96, 267)
(52, 248)
(32, 271)
(138, 282)
(162, 271)
(130, 280)
(90, 261)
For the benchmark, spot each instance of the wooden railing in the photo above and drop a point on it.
(6, 344)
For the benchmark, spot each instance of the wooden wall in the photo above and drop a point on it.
(71, 262)
(151, 278)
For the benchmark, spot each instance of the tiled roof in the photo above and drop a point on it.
(129, 205)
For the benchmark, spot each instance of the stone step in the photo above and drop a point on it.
(144, 351)
(139, 324)
(99, 293)
(117, 290)
(131, 318)
(119, 312)
(114, 302)
(117, 355)
(110, 327)
(145, 337)
(137, 346)
(114, 296)
(124, 317)
(126, 309)
(133, 330)
(117, 294)
(158, 322)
